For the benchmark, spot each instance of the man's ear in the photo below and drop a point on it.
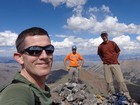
(18, 57)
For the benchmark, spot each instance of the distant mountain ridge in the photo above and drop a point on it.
(86, 57)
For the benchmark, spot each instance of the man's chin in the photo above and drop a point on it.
(45, 73)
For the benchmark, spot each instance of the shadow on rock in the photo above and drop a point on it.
(134, 91)
(56, 75)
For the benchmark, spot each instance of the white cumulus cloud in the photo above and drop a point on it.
(95, 21)
(125, 42)
(69, 3)
(79, 23)
(65, 43)
(95, 42)
(138, 38)
(7, 38)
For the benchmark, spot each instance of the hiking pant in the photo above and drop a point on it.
(115, 70)
(74, 74)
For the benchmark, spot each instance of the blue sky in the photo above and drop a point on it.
(72, 22)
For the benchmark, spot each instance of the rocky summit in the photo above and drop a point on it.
(72, 93)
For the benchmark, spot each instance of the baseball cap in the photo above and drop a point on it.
(104, 33)
(74, 47)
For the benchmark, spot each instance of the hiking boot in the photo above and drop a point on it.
(131, 101)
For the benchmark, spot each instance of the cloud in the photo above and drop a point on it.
(65, 43)
(122, 40)
(61, 36)
(95, 42)
(7, 38)
(125, 42)
(85, 46)
(105, 9)
(69, 3)
(138, 38)
(69, 41)
(93, 20)
(73, 3)
(94, 24)
(54, 2)
(79, 23)
(78, 10)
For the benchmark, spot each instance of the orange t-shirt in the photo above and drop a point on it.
(73, 59)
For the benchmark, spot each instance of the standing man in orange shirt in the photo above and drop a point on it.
(76, 61)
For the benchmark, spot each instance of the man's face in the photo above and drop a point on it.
(37, 65)
(74, 50)
(105, 38)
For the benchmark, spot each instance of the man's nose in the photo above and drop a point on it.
(43, 54)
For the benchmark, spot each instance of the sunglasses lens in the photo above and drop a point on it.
(49, 49)
(34, 50)
(37, 50)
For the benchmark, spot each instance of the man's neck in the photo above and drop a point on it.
(37, 81)
(74, 52)
(106, 41)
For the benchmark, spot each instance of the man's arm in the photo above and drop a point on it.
(99, 53)
(81, 63)
(65, 62)
(117, 49)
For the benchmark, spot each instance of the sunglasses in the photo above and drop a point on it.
(37, 50)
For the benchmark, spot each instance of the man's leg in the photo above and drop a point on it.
(71, 71)
(108, 78)
(120, 79)
(73, 74)
(77, 75)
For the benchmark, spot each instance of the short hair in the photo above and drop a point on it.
(33, 31)
(104, 33)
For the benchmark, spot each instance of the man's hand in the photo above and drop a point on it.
(68, 68)
(79, 67)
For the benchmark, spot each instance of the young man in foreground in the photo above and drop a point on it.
(35, 55)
